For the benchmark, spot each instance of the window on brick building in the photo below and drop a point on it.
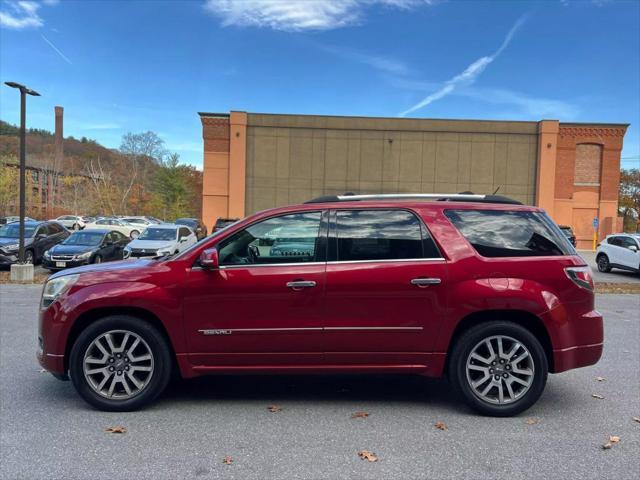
(588, 164)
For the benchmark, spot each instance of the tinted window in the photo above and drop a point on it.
(496, 233)
(154, 233)
(628, 242)
(614, 241)
(54, 228)
(84, 238)
(184, 232)
(103, 222)
(381, 235)
(285, 239)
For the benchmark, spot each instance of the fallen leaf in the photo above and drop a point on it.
(227, 460)
(274, 408)
(636, 419)
(600, 379)
(116, 430)
(367, 455)
(359, 415)
(532, 421)
(599, 397)
(606, 446)
(441, 426)
(614, 439)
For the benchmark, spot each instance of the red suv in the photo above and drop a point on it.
(479, 288)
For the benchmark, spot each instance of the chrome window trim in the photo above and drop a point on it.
(260, 265)
(334, 262)
(219, 331)
(374, 328)
(392, 260)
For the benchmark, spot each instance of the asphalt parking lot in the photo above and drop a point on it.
(46, 431)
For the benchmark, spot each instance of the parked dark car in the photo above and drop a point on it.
(85, 247)
(223, 222)
(38, 238)
(568, 233)
(196, 225)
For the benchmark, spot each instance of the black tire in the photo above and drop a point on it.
(97, 259)
(76, 227)
(29, 257)
(134, 234)
(162, 363)
(462, 349)
(603, 263)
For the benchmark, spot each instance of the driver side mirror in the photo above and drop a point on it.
(209, 259)
(633, 248)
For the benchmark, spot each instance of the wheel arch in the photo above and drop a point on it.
(93, 315)
(525, 319)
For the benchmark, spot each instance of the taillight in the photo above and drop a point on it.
(581, 276)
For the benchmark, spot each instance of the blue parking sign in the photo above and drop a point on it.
(595, 222)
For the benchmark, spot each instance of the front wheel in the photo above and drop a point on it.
(120, 363)
(134, 234)
(499, 368)
(29, 257)
(76, 227)
(97, 259)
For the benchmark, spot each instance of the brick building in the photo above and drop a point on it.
(257, 161)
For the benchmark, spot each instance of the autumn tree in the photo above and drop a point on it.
(8, 187)
(629, 199)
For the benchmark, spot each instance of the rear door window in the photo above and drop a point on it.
(373, 235)
(500, 233)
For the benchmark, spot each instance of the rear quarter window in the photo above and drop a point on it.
(500, 233)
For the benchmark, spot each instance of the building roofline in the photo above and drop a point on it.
(593, 124)
(214, 114)
(393, 118)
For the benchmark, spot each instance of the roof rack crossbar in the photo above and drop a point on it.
(443, 197)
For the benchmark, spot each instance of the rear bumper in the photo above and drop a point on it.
(587, 333)
(8, 259)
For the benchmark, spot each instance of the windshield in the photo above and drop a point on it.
(13, 230)
(84, 238)
(158, 234)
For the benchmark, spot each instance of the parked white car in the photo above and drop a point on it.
(71, 222)
(137, 221)
(620, 250)
(131, 231)
(163, 239)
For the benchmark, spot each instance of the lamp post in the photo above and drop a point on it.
(24, 91)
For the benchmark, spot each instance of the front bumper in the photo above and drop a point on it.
(8, 258)
(52, 264)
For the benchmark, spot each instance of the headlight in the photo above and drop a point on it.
(83, 256)
(47, 255)
(164, 251)
(53, 289)
(13, 246)
(127, 252)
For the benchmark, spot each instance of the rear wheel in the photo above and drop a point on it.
(134, 234)
(603, 263)
(28, 257)
(97, 259)
(120, 363)
(499, 368)
(76, 227)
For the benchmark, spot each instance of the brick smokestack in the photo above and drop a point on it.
(59, 138)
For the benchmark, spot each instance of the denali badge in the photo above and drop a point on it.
(215, 332)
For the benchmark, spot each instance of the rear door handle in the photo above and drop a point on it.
(300, 284)
(425, 282)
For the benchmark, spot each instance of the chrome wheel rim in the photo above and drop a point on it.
(500, 370)
(98, 259)
(118, 364)
(134, 234)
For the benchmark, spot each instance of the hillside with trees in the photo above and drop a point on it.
(141, 177)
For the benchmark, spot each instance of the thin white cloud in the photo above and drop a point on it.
(469, 75)
(56, 49)
(298, 15)
(379, 62)
(20, 14)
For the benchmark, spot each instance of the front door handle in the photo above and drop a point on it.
(300, 284)
(425, 282)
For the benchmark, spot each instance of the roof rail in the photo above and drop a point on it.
(440, 197)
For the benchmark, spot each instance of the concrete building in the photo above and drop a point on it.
(254, 161)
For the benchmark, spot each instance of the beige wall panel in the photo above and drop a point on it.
(265, 162)
(282, 157)
(300, 157)
(482, 158)
(447, 162)
(318, 159)
(500, 164)
(464, 163)
(371, 158)
(429, 160)
(336, 159)
(517, 163)
(391, 164)
(353, 157)
(410, 165)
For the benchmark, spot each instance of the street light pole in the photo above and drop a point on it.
(24, 91)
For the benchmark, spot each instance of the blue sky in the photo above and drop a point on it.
(120, 66)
